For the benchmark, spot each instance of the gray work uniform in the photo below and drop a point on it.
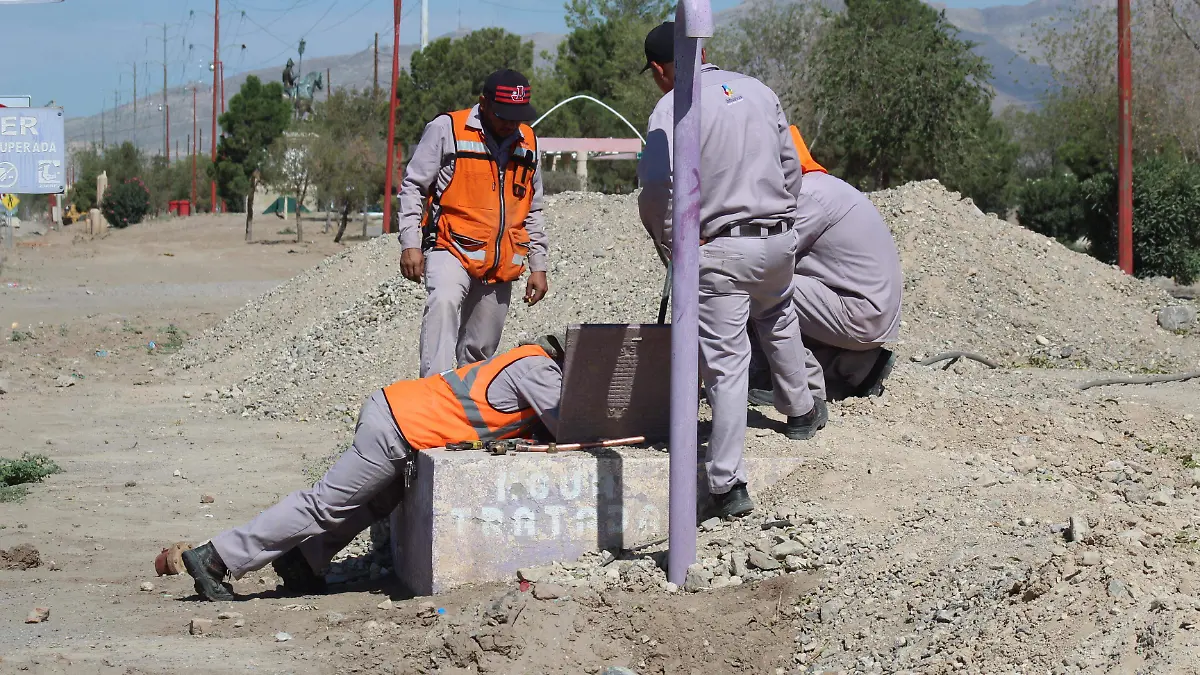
(365, 483)
(849, 284)
(464, 317)
(750, 176)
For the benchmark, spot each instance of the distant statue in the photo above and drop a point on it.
(289, 78)
(305, 91)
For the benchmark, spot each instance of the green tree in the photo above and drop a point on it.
(603, 58)
(257, 115)
(290, 169)
(448, 75)
(347, 153)
(899, 92)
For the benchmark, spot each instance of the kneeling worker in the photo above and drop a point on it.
(503, 397)
(848, 288)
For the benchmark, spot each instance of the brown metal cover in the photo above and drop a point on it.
(616, 383)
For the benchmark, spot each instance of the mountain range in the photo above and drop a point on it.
(1002, 34)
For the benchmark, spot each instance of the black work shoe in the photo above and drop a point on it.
(807, 425)
(734, 503)
(298, 577)
(207, 569)
(873, 384)
(761, 397)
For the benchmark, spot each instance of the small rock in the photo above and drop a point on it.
(531, 574)
(187, 394)
(1133, 536)
(944, 616)
(335, 618)
(282, 637)
(1098, 437)
(697, 578)
(130, 483)
(64, 381)
(1136, 494)
(1139, 467)
(617, 670)
(710, 524)
(1186, 587)
(200, 626)
(38, 615)
(207, 499)
(738, 564)
(1078, 528)
(672, 588)
(1178, 317)
(1117, 590)
(987, 481)
(830, 610)
(1090, 558)
(763, 561)
(1194, 478)
(1160, 604)
(239, 623)
(385, 605)
(225, 616)
(1042, 340)
(548, 591)
(1160, 498)
(786, 548)
(177, 473)
(146, 587)
(1025, 463)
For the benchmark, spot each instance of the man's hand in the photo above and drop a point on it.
(535, 288)
(412, 264)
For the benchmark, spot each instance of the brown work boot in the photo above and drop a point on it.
(208, 570)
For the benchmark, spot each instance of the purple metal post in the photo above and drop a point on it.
(693, 20)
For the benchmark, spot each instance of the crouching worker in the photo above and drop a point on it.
(507, 396)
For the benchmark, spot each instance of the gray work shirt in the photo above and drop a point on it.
(749, 170)
(432, 163)
(846, 245)
(532, 382)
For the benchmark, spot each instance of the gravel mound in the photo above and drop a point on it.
(315, 346)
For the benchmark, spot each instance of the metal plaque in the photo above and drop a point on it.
(616, 383)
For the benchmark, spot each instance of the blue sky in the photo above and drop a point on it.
(79, 52)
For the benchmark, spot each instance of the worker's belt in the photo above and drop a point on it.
(747, 229)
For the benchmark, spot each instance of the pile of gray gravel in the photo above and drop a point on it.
(315, 346)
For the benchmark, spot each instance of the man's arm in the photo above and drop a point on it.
(789, 157)
(419, 178)
(535, 225)
(539, 386)
(654, 177)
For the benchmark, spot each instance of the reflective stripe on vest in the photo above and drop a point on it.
(480, 216)
(453, 406)
(807, 163)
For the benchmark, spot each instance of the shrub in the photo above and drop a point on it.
(1166, 218)
(126, 204)
(554, 182)
(1054, 206)
(15, 474)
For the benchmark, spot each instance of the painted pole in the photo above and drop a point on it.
(216, 93)
(391, 137)
(693, 20)
(1125, 143)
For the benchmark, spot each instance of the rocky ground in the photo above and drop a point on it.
(972, 519)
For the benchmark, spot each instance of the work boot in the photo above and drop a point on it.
(873, 384)
(208, 570)
(807, 425)
(761, 397)
(298, 577)
(734, 503)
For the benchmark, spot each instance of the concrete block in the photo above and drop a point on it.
(469, 517)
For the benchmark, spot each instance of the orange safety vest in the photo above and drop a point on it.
(452, 406)
(480, 216)
(807, 163)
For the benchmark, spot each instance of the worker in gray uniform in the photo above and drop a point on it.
(470, 222)
(511, 395)
(849, 288)
(751, 176)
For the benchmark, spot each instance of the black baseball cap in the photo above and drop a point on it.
(509, 92)
(660, 44)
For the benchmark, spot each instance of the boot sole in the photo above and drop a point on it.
(741, 510)
(878, 375)
(206, 587)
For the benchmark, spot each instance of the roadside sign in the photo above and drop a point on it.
(32, 151)
(10, 203)
(15, 101)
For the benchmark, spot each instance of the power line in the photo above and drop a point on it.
(522, 9)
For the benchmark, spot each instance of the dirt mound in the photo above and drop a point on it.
(20, 557)
(318, 343)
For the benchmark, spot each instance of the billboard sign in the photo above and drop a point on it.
(32, 151)
(15, 101)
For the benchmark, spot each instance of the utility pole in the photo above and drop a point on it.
(222, 67)
(135, 98)
(425, 23)
(166, 106)
(216, 59)
(103, 142)
(328, 83)
(375, 80)
(194, 147)
(391, 133)
(1125, 143)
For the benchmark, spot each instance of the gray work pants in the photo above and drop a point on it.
(842, 362)
(747, 279)
(363, 486)
(463, 318)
